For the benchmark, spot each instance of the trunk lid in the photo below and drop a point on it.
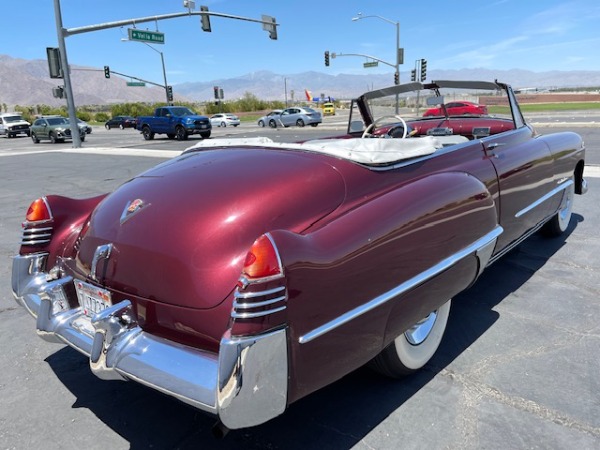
(180, 231)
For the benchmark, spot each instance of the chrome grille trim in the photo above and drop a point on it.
(36, 236)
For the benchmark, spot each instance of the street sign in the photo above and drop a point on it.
(154, 37)
(371, 64)
(136, 83)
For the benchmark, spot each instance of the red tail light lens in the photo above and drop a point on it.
(38, 211)
(262, 260)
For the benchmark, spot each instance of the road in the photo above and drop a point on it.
(518, 368)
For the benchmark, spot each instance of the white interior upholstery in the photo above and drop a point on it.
(366, 151)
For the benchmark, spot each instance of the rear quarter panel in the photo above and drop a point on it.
(368, 251)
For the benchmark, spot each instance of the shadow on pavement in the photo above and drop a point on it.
(336, 417)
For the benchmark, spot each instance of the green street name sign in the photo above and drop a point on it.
(154, 37)
(136, 83)
(371, 64)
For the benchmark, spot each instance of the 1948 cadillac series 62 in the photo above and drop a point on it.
(242, 275)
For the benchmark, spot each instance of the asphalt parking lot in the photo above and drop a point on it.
(519, 367)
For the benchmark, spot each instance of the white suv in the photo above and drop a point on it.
(12, 124)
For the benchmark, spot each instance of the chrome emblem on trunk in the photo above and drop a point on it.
(132, 208)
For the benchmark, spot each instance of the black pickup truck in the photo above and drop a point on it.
(174, 121)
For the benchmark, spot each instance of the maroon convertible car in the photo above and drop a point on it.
(244, 274)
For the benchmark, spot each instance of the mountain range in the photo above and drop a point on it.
(27, 83)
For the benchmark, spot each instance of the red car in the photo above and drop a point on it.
(458, 109)
(246, 274)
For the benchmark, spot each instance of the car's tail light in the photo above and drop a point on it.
(260, 298)
(262, 261)
(38, 211)
(38, 226)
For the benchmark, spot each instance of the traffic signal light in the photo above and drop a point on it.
(327, 58)
(216, 91)
(396, 78)
(170, 93)
(423, 69)
(205, 19)
(106, 72)
(413, 75)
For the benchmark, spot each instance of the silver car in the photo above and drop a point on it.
(223, 120)
(296, 115)
(265, 120)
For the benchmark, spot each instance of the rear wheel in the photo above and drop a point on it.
(147, 133)
(559, 223)
(314, 124)
(411, 350)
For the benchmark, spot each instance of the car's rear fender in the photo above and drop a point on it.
(352, 283)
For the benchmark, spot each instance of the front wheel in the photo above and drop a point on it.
(559, 223)
(53, 138)
(121, 126)
(272, 123)
(34, 138)
(107, 126)
(261, 124)
(223, 124)
(205, 135)
(181, 134)
(414, 348)
(300, 122)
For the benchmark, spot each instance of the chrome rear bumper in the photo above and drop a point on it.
(118, 348)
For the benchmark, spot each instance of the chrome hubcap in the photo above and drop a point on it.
(420, 330)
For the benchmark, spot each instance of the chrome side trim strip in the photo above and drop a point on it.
(541, 200)
(481, 243)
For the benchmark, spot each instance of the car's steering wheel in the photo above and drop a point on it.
(368, 133)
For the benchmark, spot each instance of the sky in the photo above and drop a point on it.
(536, 35)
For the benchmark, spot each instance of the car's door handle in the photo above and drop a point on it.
(494, 145)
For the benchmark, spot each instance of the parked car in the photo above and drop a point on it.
(264, 120)
(458, 109)
(223, 120)
(13, 124)
(328, 109)
(298, 116)
(84, 126)
(121, 122)
(241, 276)
(54, 128)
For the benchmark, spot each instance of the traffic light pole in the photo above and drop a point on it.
(268, 22)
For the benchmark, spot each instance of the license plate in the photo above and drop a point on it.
(92, 299)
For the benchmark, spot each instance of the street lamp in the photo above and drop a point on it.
(397, 50)
(162, 60)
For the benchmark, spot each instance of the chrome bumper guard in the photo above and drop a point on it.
(244, 385)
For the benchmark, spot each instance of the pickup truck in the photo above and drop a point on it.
(174, 121)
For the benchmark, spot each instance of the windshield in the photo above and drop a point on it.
(10, 119)
(436, 102)
(181, 111)
(57, 121)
